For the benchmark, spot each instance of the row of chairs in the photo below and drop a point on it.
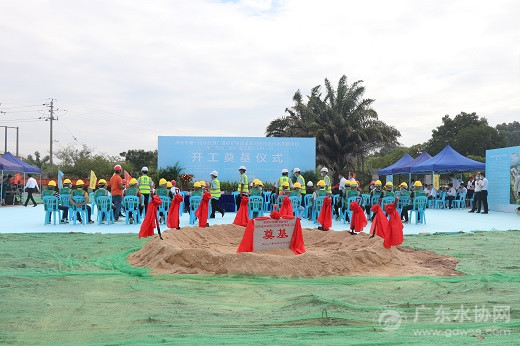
(441, 202)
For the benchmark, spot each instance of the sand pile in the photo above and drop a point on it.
(213, 251)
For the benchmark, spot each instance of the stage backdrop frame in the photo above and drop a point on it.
(498, 173)
(264, 157)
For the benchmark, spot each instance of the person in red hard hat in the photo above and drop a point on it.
(116, 189)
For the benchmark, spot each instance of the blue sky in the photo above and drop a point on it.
(125, 72)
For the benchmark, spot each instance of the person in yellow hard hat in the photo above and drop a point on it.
(101, 189)
(197, 189)
(162, 190)
(376, 192)
(52, 191)
(79, 191)
(67, 185)
(286, 189)
(132, 190)
(297, 190)
(389, 190)
(416, 192)
(256, 189)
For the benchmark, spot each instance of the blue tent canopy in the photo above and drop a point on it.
(448, 160)
(402, 161)
(25, 167)
(405, 169)
(6, 165)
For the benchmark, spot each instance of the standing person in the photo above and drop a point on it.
(483, 193)
(5, 185)
(214, 190)
(300, 179)
(31, 186)
(471, 189)
(116, 189)
(328, 183)
(283, 179)
(476, 194)
(243, 185)
(144, 184)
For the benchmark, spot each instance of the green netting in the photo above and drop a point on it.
(78, 288)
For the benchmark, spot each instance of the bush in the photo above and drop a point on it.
(170, 172)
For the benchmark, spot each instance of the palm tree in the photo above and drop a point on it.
(344, 124)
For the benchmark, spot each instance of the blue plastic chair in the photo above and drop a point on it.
(366, 198)
(194, 205)
(441, 202)
(163, 208)
(318, 204)
(459, 202)
(50, 205)
(105, 211)
(92, 201)
(182, 205)
(419, 207)
(81, 210)
(347, 210)
(403, 201)
(373, 200)
(131, 204)
(255, 205)
(387, 200)
(307, 200)
(235, 194)
(267, 201)
(296, 202)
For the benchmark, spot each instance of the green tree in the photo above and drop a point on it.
(511, 133)
(345, 125)
(38, 161)
(141, 158)
(467, 133)
(78, 162)
(170, 172)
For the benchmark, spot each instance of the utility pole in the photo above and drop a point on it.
(17, 141)
(51, 118)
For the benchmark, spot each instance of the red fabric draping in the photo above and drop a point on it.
(394, 234)
(150, 220)
(297, 243)
(286, 209)
(359, 220)
(325, 218)
(173, 213)
(380, 222)
(242, 216)
(275, 214)
(202, 211)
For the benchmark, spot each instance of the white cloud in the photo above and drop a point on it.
(128, 71)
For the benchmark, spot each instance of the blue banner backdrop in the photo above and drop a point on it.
(264, 157)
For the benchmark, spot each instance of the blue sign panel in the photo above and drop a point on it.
(503, 174)
(263, 157)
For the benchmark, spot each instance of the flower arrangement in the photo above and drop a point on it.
(186, 178)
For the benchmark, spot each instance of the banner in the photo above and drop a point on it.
(60, 179)
(128, 177)
(263, 157)
(93, 180)
(436, 183)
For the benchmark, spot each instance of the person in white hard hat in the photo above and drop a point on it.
(300, 179)
(145, 184)
(283, 179)
(243, 185)
(326, 178)
(214, 189)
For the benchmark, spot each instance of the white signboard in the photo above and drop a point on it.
(273, 233)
